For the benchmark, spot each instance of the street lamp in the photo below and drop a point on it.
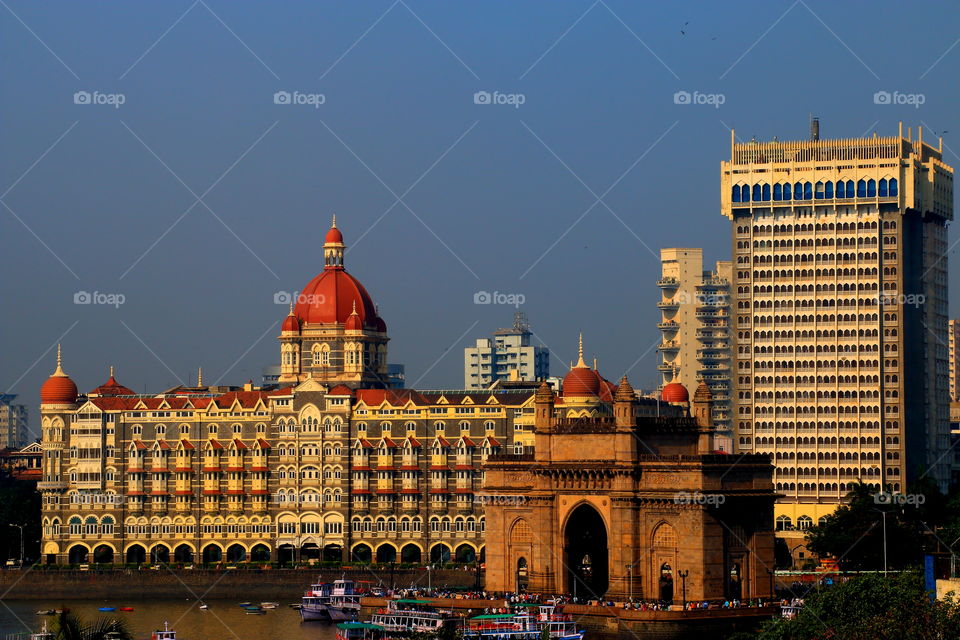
(683, 586)
(883, 513)
(20, 526)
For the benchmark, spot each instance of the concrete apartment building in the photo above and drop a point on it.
(695, 327)
(508, 355)
(13, 422)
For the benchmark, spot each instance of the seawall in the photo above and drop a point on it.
(281, 585)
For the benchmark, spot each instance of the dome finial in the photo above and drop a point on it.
(59, 372)
(291, 307)
(111, 371)
(333, 225)
(354, 312)
(580, 363)
(199, 376)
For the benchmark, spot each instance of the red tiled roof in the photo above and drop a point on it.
(186, 443)
(464, 467)
(409, 491)
(459, 490)
(135, 493)
(211, 492)
(385, 491)
(239, 443)
(414, 442)
(114, 404)
(409, 467)
(259, 468)
(163, 444)
(201, 403)
(390, 444)
(139, 444)
(187, 492)
(285, 391)
(259, 492)
(340, 390)
(395, 397)
(443, 441)
(247, 399)
(366, 444)
(183, 469)
(215, 443)
(439, 491)
(158, 493)
(493, 441)
(467, 441)
(361, 468)
(235, 492)
(263, 443)
(361, 491)
(439, 467)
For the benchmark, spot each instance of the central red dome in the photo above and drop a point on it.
(333, 294)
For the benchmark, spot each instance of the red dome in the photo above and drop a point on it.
(334, 236)
(291, 323)
(674, 392)
(353, 322)
(581, 381)
(58, 390)
(331, 296)
(379, 324)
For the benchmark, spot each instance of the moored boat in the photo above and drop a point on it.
(404, 616)
(524, 624)
(338, 601)
(359, 631)
(43, 634)
(164, 634)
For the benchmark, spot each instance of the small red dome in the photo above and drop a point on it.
(581, 381)
(674, 392)
(291, 323)
(379, 324)
(353, 322)
(334, 236)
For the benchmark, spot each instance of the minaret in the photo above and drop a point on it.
(543, 412)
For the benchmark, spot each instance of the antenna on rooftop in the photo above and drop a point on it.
(814, 128)
(520, 322)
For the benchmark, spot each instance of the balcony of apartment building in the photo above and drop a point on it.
(711, 355)
(668, 283)
(668, 325)
(668, 367)
(669, 346)
(670, 304)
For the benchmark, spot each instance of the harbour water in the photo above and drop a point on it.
(224, 620)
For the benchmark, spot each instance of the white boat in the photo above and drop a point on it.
(524, 624)
(42, 635)
(269, 605)
(164, 634)
(337, 602)
(402, 617)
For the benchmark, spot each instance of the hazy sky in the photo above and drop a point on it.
(198, 197)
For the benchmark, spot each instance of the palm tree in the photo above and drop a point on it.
(71, 627)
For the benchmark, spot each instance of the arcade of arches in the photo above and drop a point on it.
(595, 514)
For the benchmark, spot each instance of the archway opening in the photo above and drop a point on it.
(212, 553)
(666, 583)
(440, 554)
(410, 553)
(466, 554)
(586, 554)
(136, 555)
(362, 553)
(260, 553)
(285, 554)
(103, 555)
(236, 553)
(386, 553)
(333, 553)
(310, 551)
(522, 577)
(183, 553)
(160, 554)
(78, 554)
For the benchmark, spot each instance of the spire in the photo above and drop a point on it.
(111, 371)
(354, 312)
(59, 372)
(333, 224)
(199, 376)
(291, 307)
(580, 363)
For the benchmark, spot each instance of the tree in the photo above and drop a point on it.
(71, 627)
(871, 608)
(19, 504)
(854, 532)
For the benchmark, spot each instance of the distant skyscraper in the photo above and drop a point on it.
(13, 422)
(695, 323)
(508, 355)
(954, 361)
(840, 292)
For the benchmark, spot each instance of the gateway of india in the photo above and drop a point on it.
(586, 489)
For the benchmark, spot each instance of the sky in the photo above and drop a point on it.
(180, 161)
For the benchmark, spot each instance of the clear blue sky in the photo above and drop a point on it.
(494, 197)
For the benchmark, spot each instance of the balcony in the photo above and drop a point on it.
(668, 305)
(668, 283)
(667, 367)
(669, 345)
(669, 325)
(51, 485)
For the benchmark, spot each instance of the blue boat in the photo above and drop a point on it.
(107, 609)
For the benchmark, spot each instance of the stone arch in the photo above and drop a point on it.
(160, 553)
(386, 552)
(586, 551)
(411, 553)
(260, 553)
(136, 554)
(466, 553)
(440, 553)
(78, 554)
(212, 553)
(361, 552)
(664, 544)
(236, 553)
(103, 553)
(183, 553)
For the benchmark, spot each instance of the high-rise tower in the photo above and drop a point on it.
(840, 303)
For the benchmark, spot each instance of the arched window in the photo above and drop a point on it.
(778, 192)
(861, 188)
(745, 193)
(787, 192)
(766, 193)
(882, 190)
(735, 193)
(841, 189)
(807, 191)
(828, 190)
(818, 193)
(756, 193)
(784, 523)
(871, 188)
(893, 187)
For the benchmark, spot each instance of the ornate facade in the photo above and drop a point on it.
(626, 505)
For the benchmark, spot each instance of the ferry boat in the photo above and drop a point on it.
(42, 635)
(524, 624)
(164, 634)
(401, 617)
(338, 602)
(359, 631)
